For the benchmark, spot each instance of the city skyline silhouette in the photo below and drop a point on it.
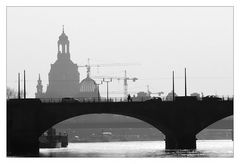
(159, 44)
(124, 74)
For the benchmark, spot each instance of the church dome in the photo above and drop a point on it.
(63, 36)
(88, 85)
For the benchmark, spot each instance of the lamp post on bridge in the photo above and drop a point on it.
(24, 86)
(19, 86)
(110, 80)
(185, 71)
(173, 96)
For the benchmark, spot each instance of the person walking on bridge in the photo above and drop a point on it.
(129, 98)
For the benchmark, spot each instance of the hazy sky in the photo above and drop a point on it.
(159, 39)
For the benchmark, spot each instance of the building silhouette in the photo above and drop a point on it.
(63, 78)
(197, 95)
(169, 96)
(141, 96)
(89, 89)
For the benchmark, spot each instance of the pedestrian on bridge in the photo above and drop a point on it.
(129, 98)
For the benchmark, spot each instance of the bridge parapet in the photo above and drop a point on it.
(180, 121)
(120, 99)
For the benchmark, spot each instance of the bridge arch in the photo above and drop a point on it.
(209, 123)
(45, 125)
(225, 122)
(87, 119)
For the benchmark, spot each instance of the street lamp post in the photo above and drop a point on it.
(107, 81)
(173, 96)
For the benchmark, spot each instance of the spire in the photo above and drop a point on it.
(39, 87)
(39, 79)
(63, 28)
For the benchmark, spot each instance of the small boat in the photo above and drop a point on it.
(51, 140)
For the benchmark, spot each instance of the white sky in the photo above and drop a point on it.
(160, 39)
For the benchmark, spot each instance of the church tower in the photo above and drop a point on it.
(63, 46)
(63, 76)
(39, 87)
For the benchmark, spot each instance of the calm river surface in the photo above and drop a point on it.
(205, 148)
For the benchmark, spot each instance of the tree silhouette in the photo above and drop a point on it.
(12, 94)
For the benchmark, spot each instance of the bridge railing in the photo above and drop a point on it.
(120, 99)
(96, 99)
(82, 100)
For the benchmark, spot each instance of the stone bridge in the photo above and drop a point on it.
(180, 121)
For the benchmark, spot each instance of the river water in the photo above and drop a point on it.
(205, 148)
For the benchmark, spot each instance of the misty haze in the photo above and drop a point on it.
(105, 81)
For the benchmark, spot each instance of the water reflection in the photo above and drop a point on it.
(206, 148)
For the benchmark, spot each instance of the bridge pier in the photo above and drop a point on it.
(22, 127)
(23, 144)
(180, 142)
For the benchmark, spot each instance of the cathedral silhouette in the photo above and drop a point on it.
(64, 77)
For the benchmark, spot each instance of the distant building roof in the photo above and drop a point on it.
(169, 97)
(89, 89)
(88, 85)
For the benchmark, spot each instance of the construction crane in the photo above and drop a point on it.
(125, 84)
(88, 66)
(125, 81)
(125, 78)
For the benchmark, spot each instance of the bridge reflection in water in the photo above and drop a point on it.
(206, 148)
(179, 121)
